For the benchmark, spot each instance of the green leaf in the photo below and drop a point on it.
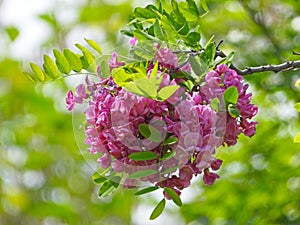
(145, 13)
(12, 32)
(88, 59)
(233, 111)
(124, 75)
(158, 209)
(141, 156)
(195, 64)
(146, 190)
(229, 58)
(107, 188)
(189, 11)
(37, 71)
(215, 104)
(94, 45)
(193, 38)
(131, 87)
(167, 91)
(204, 5)
(100, 175)
(158, 31)
(174, 196)
(50, 67)
(193, 7)
(170, 141)
(209, 54)
(297, 107)
(150, 132)
(30, 76)
(170, 170)
(169, 154)
(73, 60)
(297, 138)
(147, 86)
(104, 69)
(61, 62)
(142, 173)
(231, 95)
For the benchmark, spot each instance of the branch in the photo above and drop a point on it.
(286, 66)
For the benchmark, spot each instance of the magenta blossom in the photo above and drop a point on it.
(70, 100)
(174, 140)
(114, 63)
(133, 41)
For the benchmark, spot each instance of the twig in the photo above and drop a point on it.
(289, 65)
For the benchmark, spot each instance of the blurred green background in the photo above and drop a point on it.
(45, 180)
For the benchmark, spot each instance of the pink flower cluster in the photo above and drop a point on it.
(115, 114)
(217, 81)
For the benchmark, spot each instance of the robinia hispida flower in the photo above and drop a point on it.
(153, 124)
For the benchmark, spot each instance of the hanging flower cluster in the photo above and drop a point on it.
(166, 136)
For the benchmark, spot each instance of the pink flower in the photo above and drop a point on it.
(209, 178)
(166, 58)
(232, 131)
(114, 63)
(70, 100)
(105, 160)
(80, 93)
(213, 79)
(216, 164)
(249, 128)
(133, 41)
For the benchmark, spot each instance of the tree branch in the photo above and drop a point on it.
(286, 66)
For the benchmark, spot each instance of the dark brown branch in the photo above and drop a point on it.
(289, 65)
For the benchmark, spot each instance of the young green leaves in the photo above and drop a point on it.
(138, 82)
(65, 62)
(230, 98)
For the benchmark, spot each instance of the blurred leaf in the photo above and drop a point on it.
(49, 18)
(170, 141)
(13, 32)
(100, 175)
(141, 156)
(297, 107)
(174, 196)
(94, 45)
(141, 173)
(158, 209)
(169, 154)
(107, 188)
(146, 190)
(297, 84)
(297, 138)
(150, 132)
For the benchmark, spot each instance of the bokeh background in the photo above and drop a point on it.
(45, 179)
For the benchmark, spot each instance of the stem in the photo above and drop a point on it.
(286, 66)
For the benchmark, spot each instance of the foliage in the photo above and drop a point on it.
(261, 176)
